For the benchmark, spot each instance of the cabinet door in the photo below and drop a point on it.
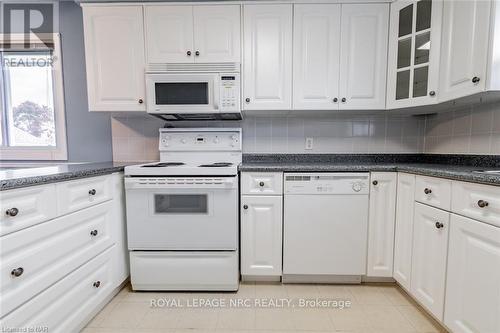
(169, 34)
(381, 224)
(316, 50)
(261, 235)
(114, 53)
(472, 288)
(414, 49)
(403, 237)
(430, 247)
(363, 60)
(267, 63)
(217, 33)
(465, 46)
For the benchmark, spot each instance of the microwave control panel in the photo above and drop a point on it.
(229, 92)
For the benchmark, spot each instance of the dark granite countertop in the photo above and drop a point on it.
(29, 174)
(456, 167)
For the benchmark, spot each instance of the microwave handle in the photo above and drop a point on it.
(216, 87)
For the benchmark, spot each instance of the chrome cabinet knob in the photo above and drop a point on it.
(97, 284)
(375, 182)
(94, 233)
(427, 191)
(16, 272)
(335, 100)
(439, 225)
(247, 100)
(188, 53)
(197, 53)
(141, 101)
(343, 99)
(12, 211)
(475, 79)
(432, 93)
(92, 191)
(261, 184)
(483, 203)
(245, 206)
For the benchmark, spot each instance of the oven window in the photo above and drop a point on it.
(181, 203)
(178, 93)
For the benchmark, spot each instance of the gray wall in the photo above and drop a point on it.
(88, 133)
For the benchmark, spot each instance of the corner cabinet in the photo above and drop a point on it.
(186, 34)
(267, 57)
(403, 234)
(464, 61)
(114, 54)
(381, 224)
(414, 53)
(261, 226)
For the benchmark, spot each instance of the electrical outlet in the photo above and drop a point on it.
(309, 143)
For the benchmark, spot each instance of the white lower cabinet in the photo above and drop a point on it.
(430, 248)
(403, 234)
(261, 235)
(472, 285)
(381, 224)
(65, 306)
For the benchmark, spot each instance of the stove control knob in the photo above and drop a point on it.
(216, 140)
(183, 141)
(356, 187)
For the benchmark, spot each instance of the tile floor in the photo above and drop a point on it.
(373, 309)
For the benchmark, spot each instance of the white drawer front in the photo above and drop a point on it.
(82, 193)
(25, 207)
(47, 252)
(480, 202)
(64, 306)
(433, 191)
(266, 183)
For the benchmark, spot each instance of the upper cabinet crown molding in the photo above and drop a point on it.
(114, 55)
(414, 53)
(186, 33)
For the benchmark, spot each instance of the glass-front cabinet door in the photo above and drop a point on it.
(414, 44)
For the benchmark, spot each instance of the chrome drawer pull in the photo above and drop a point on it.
(97, 284)
(439, 225)
(427, 191)
(92, 191)
(93, 233)
(483, 204)
(12, 211)
(261, 184)
(16, 272)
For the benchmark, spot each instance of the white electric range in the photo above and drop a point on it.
(182, 212)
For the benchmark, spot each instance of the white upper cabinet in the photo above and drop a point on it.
(169, 34)
(186, 34)
(267, 64)
(217, 33)
(403, 235)
(363, 60)
(381, 224)
(464, 59)
(316, 56)
(114, 54)
(414, 51)
(472, 288)
(430, 249)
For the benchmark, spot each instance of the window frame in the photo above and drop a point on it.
(59, 152)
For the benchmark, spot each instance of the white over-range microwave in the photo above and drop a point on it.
(194, 92)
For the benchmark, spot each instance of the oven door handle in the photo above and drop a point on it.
(181, 183)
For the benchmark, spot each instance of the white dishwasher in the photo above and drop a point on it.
(325, 227)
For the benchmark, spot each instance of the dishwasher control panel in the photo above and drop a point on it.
(327, 183)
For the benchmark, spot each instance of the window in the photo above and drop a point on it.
(31, 99)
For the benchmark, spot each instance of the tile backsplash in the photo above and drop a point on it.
(470, 130)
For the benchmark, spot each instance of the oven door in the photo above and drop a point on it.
(182, 93)
(182, 213)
